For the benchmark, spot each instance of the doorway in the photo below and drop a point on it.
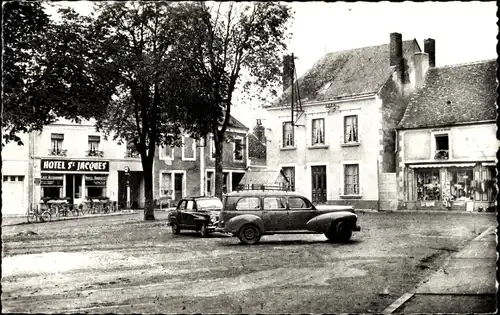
(318, 177)
(73, 187)
(178, 186)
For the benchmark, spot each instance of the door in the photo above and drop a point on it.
(178, 179)
(13, 195)
(274, 214)
(300, 212)
(188, 214)
(318, 177)
(70, 185)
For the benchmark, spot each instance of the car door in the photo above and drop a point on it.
(275, 213)
(179, 212)
(300, 211)
(188, 215)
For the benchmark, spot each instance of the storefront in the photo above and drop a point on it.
(458, 186)
(73, 179)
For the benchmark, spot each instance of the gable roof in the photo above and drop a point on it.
(346, 73)
(454, 94)
(235, 123)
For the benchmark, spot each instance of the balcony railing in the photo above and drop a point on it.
(441, 155)
(58, 152)
(132, 154)
(95, 153)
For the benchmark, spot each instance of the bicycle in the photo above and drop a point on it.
(38, 216)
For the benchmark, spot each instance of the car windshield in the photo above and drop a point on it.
(209, 203)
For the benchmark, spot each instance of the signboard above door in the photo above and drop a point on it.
(75, 165)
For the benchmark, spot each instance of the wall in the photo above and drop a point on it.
(335, 154)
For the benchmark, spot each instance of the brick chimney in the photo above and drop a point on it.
(395, 49)
(420, 65)
(430, 48)
(287, 71)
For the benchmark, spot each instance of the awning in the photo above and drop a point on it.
(442, 165)
(488, 164)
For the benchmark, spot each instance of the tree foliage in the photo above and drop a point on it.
(44, 71)
(228, 40)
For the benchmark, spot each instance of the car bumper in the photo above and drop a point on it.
(357, 228)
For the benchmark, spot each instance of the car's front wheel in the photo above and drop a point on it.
(340, 231)
(175, 228)
(249, 234)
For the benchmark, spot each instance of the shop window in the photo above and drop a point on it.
(442, 147)
(288, 136)
(318, 131)
(428, 187)
(351, 179)
(56, 144)
(462, 185)
(351, 129)
(51, 192)
(94, 143)
(238, 150)
(290, 176)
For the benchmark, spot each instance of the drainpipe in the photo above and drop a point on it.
(202, 167)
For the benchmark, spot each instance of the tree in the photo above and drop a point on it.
(150, 94)
(44, 72)
(235, 46)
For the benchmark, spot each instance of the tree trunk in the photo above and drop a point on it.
(219, 175)
(147, 167)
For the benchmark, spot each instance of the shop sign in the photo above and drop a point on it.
(52, 180)
(96, 181)
(78, 166)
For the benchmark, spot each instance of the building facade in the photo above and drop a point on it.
(447, 142)
(68, 160)
(339, 147)
(189, 169)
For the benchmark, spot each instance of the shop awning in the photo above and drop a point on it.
(488, 164)
(442, 165)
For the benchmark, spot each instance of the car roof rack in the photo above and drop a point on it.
(263, 187)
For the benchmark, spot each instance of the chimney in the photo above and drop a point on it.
(421, 65)
(259, 131)
(395, 49)
(287, 71)
(430, 48)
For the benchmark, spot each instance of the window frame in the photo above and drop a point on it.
(291, 182)
(284, 135)
(283, 200)
(239, 138)
(249, 197)
(193, 148)
(357, 190)
(323, 136)
(163, 149)
(356, 129)
(307, 202)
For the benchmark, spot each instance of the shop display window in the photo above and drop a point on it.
(96, 192)
(428, 185)
(462, 185)
(51, 192)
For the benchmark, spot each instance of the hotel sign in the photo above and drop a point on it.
(75, 166)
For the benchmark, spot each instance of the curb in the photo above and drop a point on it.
(125, 212)
(431, 211)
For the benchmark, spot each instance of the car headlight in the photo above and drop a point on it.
(213, 219)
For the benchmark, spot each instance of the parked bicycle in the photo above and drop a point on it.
(35, 215)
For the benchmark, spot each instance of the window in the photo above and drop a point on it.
(428, 187)
(351, 128)
(182, 205)
(224, 182)
(238, 149)
(94, 142)
(248, 203)
(190, 205)
(288, 137)
(318, 131)
(166, 184)
(274, 203)
(298, 203)
(56, 147)
(210, 180)
(461, 185)
(351, 179)
(131, 151)
(442, 147)
(188, 149)
(167, 152)
(290, 176)
(212, 148)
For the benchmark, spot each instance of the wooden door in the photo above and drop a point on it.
(318, 177)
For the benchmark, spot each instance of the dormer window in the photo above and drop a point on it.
(442, 147)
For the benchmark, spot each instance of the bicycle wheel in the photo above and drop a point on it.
(46, 216)
(31, 218)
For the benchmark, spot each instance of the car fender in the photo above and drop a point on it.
(234, 224)
(322, 222)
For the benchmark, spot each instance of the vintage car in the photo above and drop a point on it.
(200, 214)
(251, 214)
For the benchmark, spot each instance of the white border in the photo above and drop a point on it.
(342, 179)
(172, 182)
(350, 112)
(242, 149)
(164, 157)
(433, 135)
(309, 182)
(310, 129)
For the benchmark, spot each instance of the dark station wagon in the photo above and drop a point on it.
(252, 214)
(200, 214)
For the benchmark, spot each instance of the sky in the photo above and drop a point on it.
(463, 31)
